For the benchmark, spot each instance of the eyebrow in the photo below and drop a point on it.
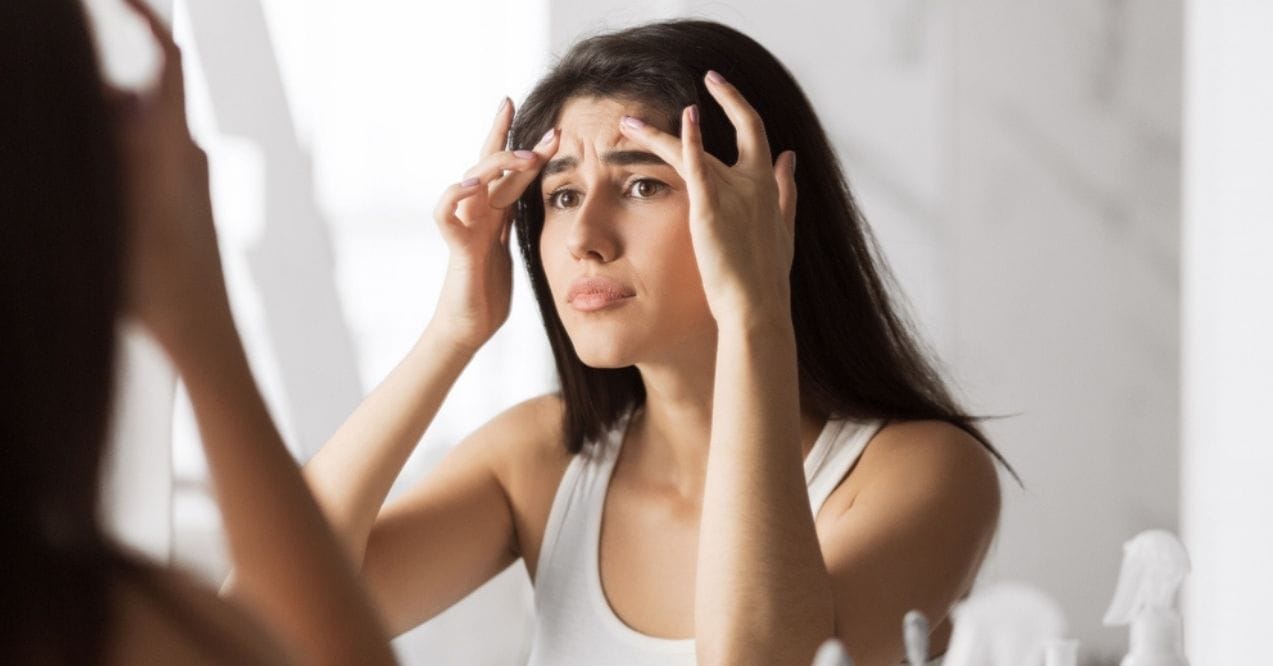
(612, 158)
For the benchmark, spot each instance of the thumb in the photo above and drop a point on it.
(785, 177)
(505, 234)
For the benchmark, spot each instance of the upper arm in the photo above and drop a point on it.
(454, 530)
(924, 508)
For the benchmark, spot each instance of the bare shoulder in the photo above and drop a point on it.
(931, 463)
(517, 442)
(165, 616)
(936, 450)
(530, 460)
(472, 515)
(910, 527)
(526, 434)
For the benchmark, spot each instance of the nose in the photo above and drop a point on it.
(591, 233)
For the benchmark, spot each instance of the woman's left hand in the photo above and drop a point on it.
(742, 217)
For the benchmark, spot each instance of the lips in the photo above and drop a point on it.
(594, 293)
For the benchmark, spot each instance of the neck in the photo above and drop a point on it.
(671, 434)
(675, 426)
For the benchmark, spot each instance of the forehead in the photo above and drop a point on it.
(593, 122)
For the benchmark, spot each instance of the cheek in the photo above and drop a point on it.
(668, 268)
(554, 258)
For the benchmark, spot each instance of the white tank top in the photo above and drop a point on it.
(574, 623)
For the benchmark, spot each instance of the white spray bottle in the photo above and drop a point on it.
(1154, 565)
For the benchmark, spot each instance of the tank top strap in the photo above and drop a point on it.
(580, 494)
(834, 453)
(574, 623)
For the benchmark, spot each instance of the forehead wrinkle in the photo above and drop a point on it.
(591, 127)
(619, 158)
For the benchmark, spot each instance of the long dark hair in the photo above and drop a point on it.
(857, 355)
(61, 217)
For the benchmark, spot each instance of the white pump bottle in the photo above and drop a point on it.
(1154, 565)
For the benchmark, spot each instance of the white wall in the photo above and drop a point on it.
(138, 488)
(1063, 210)
(1227, 322)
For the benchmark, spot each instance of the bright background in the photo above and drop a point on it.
(1021, 162)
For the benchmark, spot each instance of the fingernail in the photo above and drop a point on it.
(470, 182)
(714, 76)
(502, 103)
(694, 113)
(524, 154)
(793, 161)
(634, 123)
(548, 136)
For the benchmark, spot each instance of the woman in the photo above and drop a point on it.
(749, 453)
(105, 212)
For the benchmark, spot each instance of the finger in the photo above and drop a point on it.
(693, 158)
(662, 144)
(494, 165)
(506, 233)
(753, 145)
(497, 139)
(444, 213)
(487, 171)
(158, 27)
(785, 177)
(170, 69)
(504, 192)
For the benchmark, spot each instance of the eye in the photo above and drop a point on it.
(563, 198)
(646, 188)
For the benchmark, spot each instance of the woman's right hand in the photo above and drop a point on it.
(475, 216)
(174, 278)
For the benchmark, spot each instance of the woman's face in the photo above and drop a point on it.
(616, 243)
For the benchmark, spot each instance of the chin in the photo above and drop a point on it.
(604, 352)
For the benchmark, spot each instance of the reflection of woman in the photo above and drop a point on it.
(721, 376)
(104, 206)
